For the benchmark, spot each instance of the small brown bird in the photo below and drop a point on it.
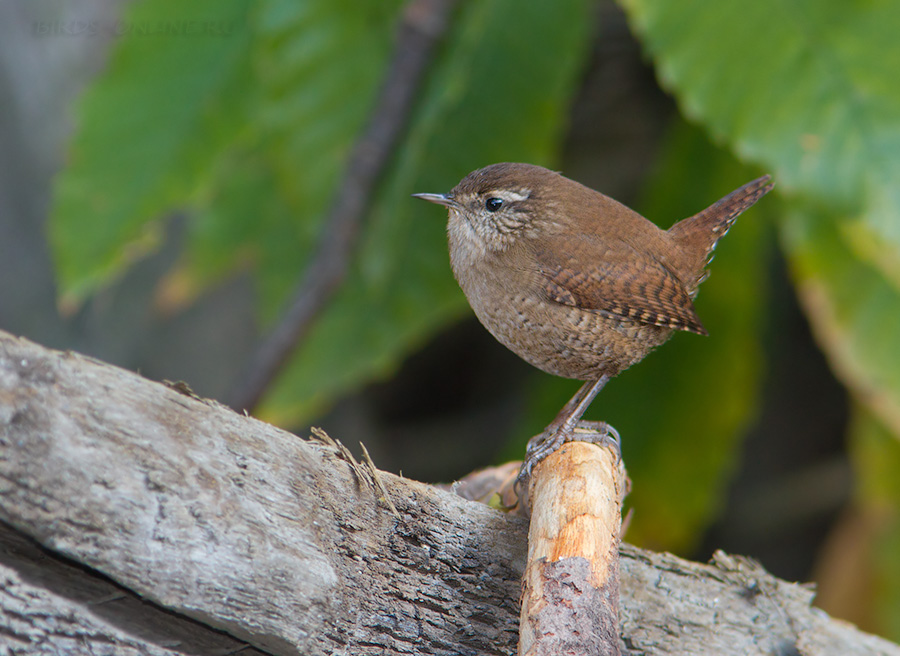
(573, 281)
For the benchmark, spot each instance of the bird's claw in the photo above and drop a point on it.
(601, 434)
(542, 445)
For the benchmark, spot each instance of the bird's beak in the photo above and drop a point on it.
(440, 199)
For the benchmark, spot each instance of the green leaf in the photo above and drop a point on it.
(682, 411)
(808, 89)
(258, 139)
(316, 67)
(319, 66)
(875, 454)
(477, 108)
(854, 308)
(173, 98)
(245, 220)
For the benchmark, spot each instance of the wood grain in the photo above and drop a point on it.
(286, 544)
(570, 592)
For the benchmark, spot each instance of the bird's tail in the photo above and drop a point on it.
(697, 235)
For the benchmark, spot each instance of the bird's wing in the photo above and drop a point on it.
(618, 281)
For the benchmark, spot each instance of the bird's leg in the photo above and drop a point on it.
(562, 429)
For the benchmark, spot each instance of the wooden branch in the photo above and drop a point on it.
(290, 546)
(280, 542)
(570, 592)
(422, 25)
(49, 606)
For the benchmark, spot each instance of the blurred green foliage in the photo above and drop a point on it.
(150, 131)
(257, 188)
(807, 91)
(247, 133)
(875, 452)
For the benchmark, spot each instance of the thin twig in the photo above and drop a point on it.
(377, 483)
(422, 25)
(359, 472)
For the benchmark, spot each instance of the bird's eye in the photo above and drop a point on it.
(493, 204)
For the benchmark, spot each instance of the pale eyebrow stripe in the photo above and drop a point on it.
(506, 194)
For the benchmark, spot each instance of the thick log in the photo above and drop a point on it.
(280, 542)
(48, 606)
(293, 547)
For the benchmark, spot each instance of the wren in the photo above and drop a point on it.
(574, 282)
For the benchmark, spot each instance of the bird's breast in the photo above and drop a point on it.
(508, 298)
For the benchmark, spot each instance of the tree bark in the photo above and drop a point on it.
(48, 606)
(228, 528)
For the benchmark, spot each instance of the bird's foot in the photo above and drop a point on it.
(599, 433)
(542, 445)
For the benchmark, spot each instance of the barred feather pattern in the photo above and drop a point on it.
(627, 294)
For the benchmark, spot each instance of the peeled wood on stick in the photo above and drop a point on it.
(570, 592)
